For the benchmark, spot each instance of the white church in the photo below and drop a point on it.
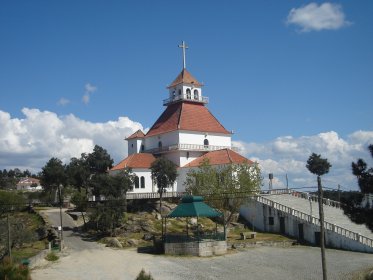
(186, 133)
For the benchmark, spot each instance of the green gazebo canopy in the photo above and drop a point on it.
(193, 206)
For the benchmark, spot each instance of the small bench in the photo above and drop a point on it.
(247, 235)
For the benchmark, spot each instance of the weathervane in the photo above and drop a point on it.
(184, 47)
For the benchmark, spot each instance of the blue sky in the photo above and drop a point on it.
(270, 70)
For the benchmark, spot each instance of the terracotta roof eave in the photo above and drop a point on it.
(191, 84)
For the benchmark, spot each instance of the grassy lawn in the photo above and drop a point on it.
(178, 226)
(28, 250)
(24, 235)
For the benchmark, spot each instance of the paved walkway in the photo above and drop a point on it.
(84, 260)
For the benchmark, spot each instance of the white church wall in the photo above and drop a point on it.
(187, 157)
(167, 139)
(134, 146)
(147, 178)
(197, 138)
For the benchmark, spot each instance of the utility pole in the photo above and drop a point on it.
(322, 230)
(287, 182)
(61, 232)
(9, 239)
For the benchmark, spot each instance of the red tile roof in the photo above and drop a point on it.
(141, 160)
(137, 134)
(219, 157)
(185, 78)
(186, 116)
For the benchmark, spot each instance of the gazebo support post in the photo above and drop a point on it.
(225, 230)
(187, 227)
(197, 230)
(165, 227)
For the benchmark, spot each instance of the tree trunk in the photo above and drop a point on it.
(322, 230)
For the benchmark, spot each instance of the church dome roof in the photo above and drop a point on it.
(186, 116)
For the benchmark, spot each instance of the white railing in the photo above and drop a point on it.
(313, 220)
(314, 198)
(189, 147)
(305, 195)
(153, 195)
(200, 99)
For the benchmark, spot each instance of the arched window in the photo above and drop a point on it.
(160, 144)
(142, 148)
(187, 155)
(206, 143)
(136, 182)
(189, 93)
(179, 91)
(195, 94)
(174, 93)
(142, 181)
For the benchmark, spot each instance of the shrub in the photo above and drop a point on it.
(52, 257)
(10, 270)
(144, 276)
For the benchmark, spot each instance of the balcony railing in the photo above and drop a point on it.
(189, 147)
(200, 99)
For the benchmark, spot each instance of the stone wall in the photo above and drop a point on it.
(201, 249)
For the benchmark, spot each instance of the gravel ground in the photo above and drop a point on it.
(88, 260)
(258, 263)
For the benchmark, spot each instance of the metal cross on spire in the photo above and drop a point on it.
(184, 47)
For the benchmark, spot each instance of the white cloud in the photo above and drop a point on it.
(288, 155)
(89, 89)
(63, 101)
(31, 141)
(86, 98)
(314, 17)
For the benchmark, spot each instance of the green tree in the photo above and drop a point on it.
(352, 207)
(78, 172)
(10, 201)
(53, 176)
(99, 161)
(164, 174)
(225, 187)
(108, 214)
(364, 175)
(320, 166)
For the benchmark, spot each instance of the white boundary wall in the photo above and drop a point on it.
(267, 216)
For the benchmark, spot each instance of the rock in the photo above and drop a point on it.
(238, 225)
(235, 217)
(132, 242)
(113, 242)
(133, 228)
(148, 228)
(148, 237)
(193, 221)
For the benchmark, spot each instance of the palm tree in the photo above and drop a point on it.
(320, 166)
